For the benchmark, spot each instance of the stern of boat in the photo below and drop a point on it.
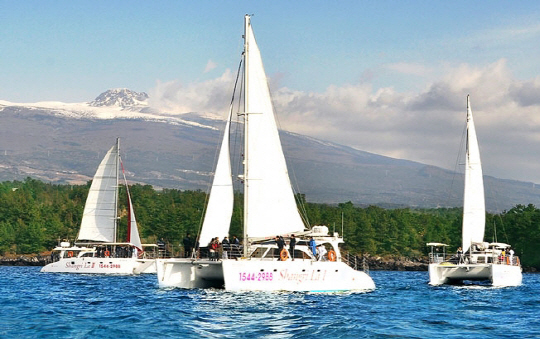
(506, 275)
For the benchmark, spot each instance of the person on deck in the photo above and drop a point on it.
(460, 255)
(235, 247)
(215, 248)
(211, 249)
(313, 246)
(511, 256)
(280, 245)
(188, 244)
(226, 248)
(292, 245)
(322, 252)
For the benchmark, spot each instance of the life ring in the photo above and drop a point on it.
(107, 253)
(70, 254)
(284, 255)
(332, 255)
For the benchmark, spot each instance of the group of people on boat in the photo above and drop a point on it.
(506, 256)
(115, 252)
(319, 251)
(215, 249)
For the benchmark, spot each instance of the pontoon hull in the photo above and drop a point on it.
(496, 274)
(92, 265)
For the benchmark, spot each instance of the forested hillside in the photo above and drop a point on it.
(34, 215)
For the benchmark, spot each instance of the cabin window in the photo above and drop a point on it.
(259, 252)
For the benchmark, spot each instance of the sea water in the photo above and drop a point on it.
(45, 305)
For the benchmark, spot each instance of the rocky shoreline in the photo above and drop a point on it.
(25, 260)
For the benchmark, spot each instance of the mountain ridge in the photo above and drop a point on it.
(179, 151)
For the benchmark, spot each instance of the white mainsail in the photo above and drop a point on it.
(100, 212)
(269, 206)
(474, 213)
(219, 210)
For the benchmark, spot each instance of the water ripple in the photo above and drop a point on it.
(36, 305)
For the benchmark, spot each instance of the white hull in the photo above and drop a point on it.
(90, 265)
(262, 275)
(497, 274)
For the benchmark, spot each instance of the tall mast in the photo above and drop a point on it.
(246, 122)
(116, 191)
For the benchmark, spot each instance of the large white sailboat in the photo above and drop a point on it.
(477, 260)
(315, 264)
(96, 249)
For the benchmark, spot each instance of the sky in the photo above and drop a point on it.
(387, 77)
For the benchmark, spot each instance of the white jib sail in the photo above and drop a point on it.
(474, 211)
(132, 228)
(99, 216)
(270, 205)
(217, 218)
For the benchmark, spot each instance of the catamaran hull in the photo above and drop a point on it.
(259, 275)
(101, 266)
(305, 276)
(189, 273)
(498, 275)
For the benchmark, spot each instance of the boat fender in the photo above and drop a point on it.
(70, 254)
(284, 255)
(507, 261)
(107, 253)
(332, 255)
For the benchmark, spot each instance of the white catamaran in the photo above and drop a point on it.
(96, 249)
(477, 260)
(315, 264)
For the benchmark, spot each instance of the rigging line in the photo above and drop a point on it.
(294, 183)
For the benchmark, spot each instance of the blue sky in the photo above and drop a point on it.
(389, 77)
(74, 50)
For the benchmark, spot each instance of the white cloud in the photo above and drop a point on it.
(425, 126)
(209, 97)
(210, 65)
(409, 68)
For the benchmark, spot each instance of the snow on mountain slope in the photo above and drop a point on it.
(113, 104)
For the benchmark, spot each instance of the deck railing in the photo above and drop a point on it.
(437, 258)
(354, 261)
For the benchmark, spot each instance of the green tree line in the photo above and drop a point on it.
(34, 215)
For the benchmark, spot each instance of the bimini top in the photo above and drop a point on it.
(436, 244)
(499, 245)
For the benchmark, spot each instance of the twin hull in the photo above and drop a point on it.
(92, 265)
(498, 275)
(260, 275)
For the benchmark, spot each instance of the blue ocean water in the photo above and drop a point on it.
(39, 305)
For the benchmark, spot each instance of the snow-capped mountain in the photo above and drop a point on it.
(112, 104)
(64, 143)
(121, 97)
